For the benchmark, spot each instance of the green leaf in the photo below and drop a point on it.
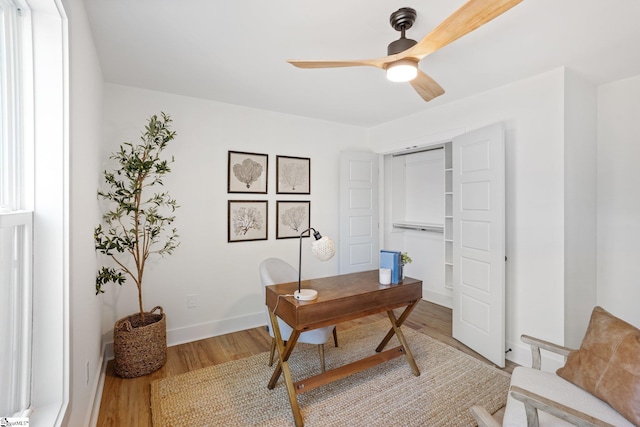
(132, 217)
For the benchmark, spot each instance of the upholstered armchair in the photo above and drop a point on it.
(599, 384)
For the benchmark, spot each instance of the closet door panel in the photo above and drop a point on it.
(479, 242)
(358, 247)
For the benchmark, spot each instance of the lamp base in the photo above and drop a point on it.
(305, 294)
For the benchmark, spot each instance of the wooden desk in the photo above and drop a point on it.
(340, 298)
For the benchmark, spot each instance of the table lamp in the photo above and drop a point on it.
(323, 249)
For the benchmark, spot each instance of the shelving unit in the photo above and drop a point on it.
(448, 215)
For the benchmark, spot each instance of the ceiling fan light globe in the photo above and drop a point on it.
(403, 70)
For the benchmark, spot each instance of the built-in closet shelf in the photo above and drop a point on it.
(436, 228)
(448, 216)
(448, 229)
(448, 156)
(448, 276)
(448, 205)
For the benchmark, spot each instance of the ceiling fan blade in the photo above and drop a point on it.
(470, 16)
(378, 63)
(426, 87)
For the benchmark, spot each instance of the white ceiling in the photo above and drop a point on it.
(234, 51)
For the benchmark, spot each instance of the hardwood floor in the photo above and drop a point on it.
(126, 402)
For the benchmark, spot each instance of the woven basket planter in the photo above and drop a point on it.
(140, 349)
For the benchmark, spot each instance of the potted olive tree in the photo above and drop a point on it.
(136, 226)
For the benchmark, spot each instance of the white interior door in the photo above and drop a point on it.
(359, 246)
(479, 242)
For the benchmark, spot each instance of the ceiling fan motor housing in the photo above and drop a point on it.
(399, 45)
(401, 20)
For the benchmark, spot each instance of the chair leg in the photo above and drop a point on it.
(321, 351)
(335, 336)
(272, 351)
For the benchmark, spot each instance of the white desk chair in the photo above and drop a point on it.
(274, 271)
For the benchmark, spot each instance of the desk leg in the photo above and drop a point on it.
(407, 311)
(284, 351)
(403, 341)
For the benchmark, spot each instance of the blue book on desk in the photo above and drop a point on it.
(391, 259)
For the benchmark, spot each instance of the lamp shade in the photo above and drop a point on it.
(323, 249)
(402, 70)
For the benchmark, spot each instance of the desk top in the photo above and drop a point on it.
(340, 298)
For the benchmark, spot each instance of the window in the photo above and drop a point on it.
(34, 229)
(16, 220)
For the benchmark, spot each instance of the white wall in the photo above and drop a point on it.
(532, 113)
(580, 190)
(85, 122)
(618, 198)
(224, 276)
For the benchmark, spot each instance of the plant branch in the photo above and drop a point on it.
(135, 225)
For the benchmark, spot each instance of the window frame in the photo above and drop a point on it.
(44, 129)
(16, 216)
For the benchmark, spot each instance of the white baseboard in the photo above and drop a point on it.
(436, 298)
(213, 329)
(202, 331)
(92, 416)
(521, 354)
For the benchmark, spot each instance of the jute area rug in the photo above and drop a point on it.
(235, 393)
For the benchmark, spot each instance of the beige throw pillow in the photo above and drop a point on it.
(607, 364)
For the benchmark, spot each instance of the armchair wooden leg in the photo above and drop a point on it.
(335, 337)
(272, 351)
(321, 351)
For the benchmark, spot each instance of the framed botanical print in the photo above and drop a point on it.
(293, 175)
(292, 218)
(247, 172)
(247, 220)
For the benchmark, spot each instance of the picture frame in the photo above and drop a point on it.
(292, 218)
(247, 172)
(293, 175)
(247, 220)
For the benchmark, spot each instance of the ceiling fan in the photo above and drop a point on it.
(403, 55)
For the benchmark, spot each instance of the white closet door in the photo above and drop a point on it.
(479, 242)
(359, 246)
